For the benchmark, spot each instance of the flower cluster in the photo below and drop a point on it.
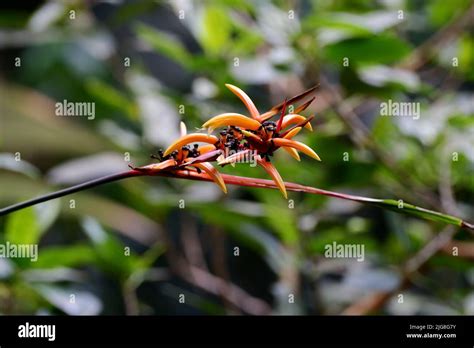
(241, 137)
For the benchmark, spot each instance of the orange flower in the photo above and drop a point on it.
(181, 156)
(244, 136)
(262, 136)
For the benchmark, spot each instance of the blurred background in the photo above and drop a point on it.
(154, 246)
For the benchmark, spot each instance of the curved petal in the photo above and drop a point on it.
(296, 145)
(232, 119)
(292, 133)
(246, 100)
(293, 119)
(158, 166)
(292, 152)
(271, 170)
(213, 174)
(206, 148)
(190, 138)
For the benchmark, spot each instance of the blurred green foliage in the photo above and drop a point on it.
(128, 247)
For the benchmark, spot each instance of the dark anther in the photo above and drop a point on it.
(158, 155)
(269, 123)
(194, 152)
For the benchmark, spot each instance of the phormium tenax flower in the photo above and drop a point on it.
(243, 136)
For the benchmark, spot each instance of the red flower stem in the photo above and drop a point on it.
(394, 205)
(263, 183)
(248, 182)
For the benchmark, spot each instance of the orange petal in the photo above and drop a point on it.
(206, 148)
(271, 170)
(190, 138)
(294, 118)
(296, 145)
(158, 166)
(267, 115)
(292, 152)
(213, 174)
(292, 133)
(232, 119)
(246, 100)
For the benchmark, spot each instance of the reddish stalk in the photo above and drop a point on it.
(249, 182)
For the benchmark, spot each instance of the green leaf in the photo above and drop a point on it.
(216, 30)
(165, 45)
(22, 227)
(375, 49)
(410, 209)
(246, 43)
(461, 122)
(14, 19)
(440, 12)
(354, 24)
(109, 250)
(111, 96)
(280, 217)
(65, 256)
(466, 55)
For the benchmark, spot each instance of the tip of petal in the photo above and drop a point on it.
(298, 146)
(213, 174)
(252, 109)
(292, 152)
(183, 129)
(273, 172)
